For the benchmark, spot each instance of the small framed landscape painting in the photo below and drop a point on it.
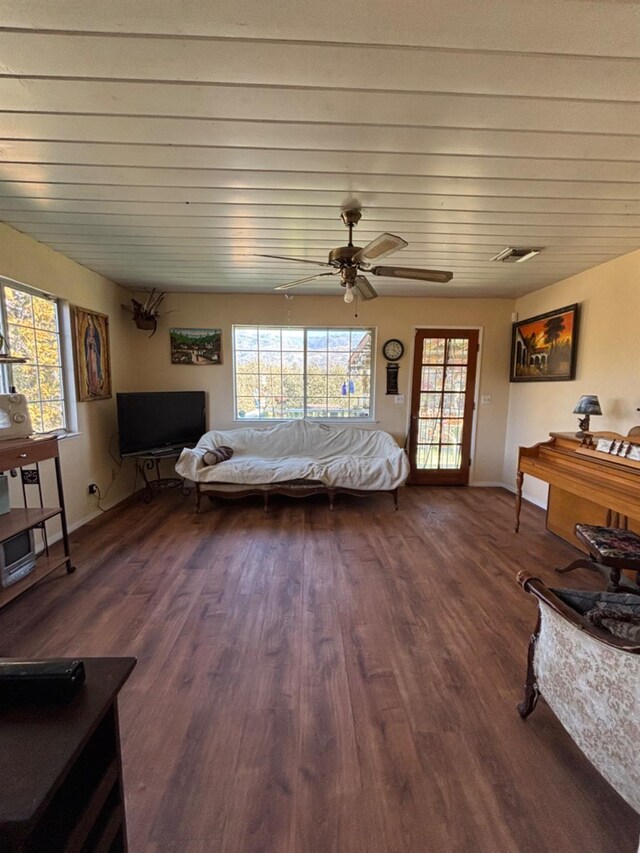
(91, 350)
(196, 346)
(543, 348)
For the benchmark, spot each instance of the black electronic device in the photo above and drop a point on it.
(152, 420)
(17, 558)
(40, 681)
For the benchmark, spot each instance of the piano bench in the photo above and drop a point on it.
(612, 550)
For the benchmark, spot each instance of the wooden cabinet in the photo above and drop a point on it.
(60, 774)
(19, 454)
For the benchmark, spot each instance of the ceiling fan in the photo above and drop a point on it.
(351, 261)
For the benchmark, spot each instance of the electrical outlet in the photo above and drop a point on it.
(399, 399)
(92, 489)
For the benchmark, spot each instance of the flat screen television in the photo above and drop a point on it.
(153, 420)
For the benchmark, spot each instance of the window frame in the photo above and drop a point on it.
(331, 420)
(69, 427)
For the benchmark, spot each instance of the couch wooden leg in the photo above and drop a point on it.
(396, 497)
(531, 692)
(331, 494)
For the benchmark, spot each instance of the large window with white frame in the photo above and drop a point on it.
(284, 373)
(30, 325)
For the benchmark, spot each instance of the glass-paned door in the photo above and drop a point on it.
(444, 373)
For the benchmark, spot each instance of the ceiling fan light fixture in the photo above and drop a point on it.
(348, 261)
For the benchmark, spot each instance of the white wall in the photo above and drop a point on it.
(84, 457)
(607, 363)
(393, 317)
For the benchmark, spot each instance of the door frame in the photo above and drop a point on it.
(476, 388)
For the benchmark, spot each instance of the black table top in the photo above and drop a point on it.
(38, 744)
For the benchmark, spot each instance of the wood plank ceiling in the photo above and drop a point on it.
(162, 143)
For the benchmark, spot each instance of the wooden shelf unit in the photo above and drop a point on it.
(23, 518)
(18, 454)
(68, 796)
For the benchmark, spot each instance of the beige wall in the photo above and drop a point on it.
(519, 414)
(607, 365)
(143, 363)
(84, 457)
(392, 317)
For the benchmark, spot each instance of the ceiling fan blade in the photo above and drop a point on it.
(442, 276)
(364, 287)
(301, 281)
(297, 260)
(383, 244)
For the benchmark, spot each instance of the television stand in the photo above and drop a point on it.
(148, 466)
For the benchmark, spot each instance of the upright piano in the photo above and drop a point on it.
(586, 484)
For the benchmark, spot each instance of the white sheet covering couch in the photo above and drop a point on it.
(297, 458)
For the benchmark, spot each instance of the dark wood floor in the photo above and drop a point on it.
(312, 681)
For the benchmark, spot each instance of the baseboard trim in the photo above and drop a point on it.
(535, 501)
(71, 528)
(83, 521)
(539, 502)
(511, 488)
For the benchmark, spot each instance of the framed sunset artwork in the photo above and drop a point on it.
(543, 348)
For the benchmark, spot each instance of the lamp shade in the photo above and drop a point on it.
(588, 405)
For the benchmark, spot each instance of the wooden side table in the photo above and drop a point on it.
(60, 771)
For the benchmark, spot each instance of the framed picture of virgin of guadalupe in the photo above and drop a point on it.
(91, 350)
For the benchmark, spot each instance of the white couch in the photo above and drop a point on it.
(298, 458)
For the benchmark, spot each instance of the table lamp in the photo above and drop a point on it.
(587, 405)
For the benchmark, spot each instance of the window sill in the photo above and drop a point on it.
(53, 434)
(332, 421)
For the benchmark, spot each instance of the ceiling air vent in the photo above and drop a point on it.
(515, 256)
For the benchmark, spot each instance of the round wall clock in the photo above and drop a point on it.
(393, 349)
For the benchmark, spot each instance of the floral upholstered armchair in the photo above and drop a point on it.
(589, 676)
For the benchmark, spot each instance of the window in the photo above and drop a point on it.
(30, 325)
(287, 373)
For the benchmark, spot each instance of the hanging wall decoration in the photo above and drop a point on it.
(543, 348)
(196, 346)
(91, 351)
(145, 314)
(392, 378)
